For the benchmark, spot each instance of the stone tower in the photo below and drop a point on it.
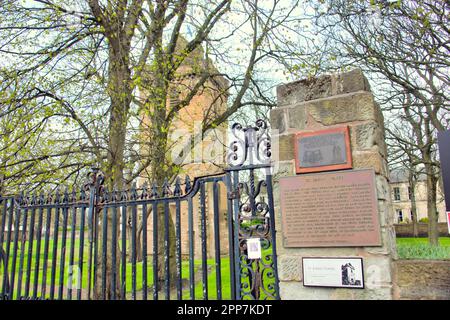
(208, 154)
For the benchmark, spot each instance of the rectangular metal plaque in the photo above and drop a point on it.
(323, 150)
(331, 209)
(333, 272)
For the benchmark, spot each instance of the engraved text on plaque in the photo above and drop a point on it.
(335, 209)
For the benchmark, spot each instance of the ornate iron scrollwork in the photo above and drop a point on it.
(250, 144)
(257, 275)
(251, 152)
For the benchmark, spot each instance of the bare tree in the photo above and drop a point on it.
(403, 156)
(403, 46)
(76, 68)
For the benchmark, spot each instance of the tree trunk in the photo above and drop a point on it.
(433, 234)
(139, 243)
(159, 175)
(129, 237)
(119, 91)
(1, 217)
(412, 184)
(105, 290)
(160, 168)
(162, 253)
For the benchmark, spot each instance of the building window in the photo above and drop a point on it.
(397, 193)
(409, 193)
(412, 215)
(399, 216)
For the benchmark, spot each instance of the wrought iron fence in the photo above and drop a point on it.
(182, 241)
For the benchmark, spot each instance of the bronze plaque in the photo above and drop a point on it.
(323, 150)
(333, 209)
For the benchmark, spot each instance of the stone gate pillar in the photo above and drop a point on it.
(327, 102)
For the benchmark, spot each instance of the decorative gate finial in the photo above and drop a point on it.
(254, 146)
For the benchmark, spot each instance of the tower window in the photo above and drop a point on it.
(397, 193)
(399, 216)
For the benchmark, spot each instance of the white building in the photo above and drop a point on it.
(401, 198)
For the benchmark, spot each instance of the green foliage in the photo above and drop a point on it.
(252, 222)
(76, 86)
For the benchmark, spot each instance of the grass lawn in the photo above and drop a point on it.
(418, 248)
(225, 276)
(407, 248)
(22, 260)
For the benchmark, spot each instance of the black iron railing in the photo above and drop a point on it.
(153, 242)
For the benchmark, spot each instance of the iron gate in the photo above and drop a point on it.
(182, 241)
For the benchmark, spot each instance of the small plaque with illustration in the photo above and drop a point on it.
(323, 150)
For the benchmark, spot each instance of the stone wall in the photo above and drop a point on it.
(322, 103)
(422, 280)
(406, 229)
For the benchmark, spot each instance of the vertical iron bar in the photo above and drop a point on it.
(237, 256)
(252, 192)
(46, 249)
(231, 235)
(178, 248)
(203, 235)
(155, 251)
(54, 254)
(81, 252)
(91, 223)
(252, 277)
(191, 248)
(38, 247)
(62, 261)
(113, 249)
(72, 252)
(2, 232)
(5, 289)
(104, 250)
(5, 209)
(144, 252)
(96, 221)
(217, 240)
(123, 262)
(22, 252)
(14, 258)
(30, 247)
(133, 250)
(272, 231)
(167, 249)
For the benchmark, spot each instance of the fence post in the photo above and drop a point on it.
(94, 187)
